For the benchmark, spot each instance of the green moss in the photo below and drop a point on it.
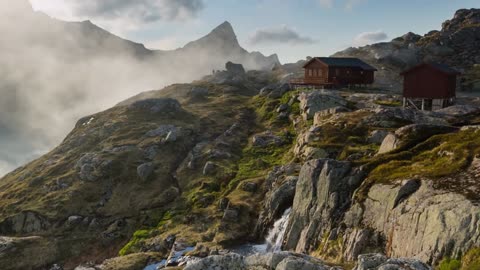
(450, 264)
(389, 103)
(471, 260)
(440, 156)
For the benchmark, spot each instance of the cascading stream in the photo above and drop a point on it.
(275, 236)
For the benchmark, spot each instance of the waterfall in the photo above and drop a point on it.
(275, 236)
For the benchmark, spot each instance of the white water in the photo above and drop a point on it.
(275, 236)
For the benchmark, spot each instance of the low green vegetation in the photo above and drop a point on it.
(450, 264)
(440, 156)
(470, 261)
(389, 103)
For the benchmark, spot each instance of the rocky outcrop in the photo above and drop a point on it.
(276, 261)
(324, 190)
(418, 221)
(26, 252)
(313, 102)
(24, 223)
(280, 187)
(456, 44)
(410, 135)
(381, 262)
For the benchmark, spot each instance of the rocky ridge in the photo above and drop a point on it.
(456, 44)
(197, 169)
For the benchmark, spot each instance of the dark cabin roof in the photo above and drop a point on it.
(440, 67)
(342, 62)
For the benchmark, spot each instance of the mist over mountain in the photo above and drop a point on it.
(54, 72)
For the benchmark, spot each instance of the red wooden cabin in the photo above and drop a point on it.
(336, 71)
(429, 86)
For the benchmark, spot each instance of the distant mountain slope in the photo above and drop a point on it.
(53, 72)
(456, 44)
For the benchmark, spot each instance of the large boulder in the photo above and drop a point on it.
(418, 220)
(324, 190)
(268, 261)
(235, 68)
(313, 102)
(381, 262)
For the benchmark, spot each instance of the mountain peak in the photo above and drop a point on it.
(224, 32)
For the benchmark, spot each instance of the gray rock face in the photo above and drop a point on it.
(280, 187)
(313, 102)
(427, 224)
(157, 105)
(145, 171)
(24, 223)
(330, 111)
(323, 192)
(269, 261)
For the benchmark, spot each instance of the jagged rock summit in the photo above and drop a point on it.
(457, 44)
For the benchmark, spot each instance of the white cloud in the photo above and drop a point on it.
(366, 38)
(279, 34)
(121, 13)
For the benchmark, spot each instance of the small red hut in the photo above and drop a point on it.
(429, 86)
(336, 71)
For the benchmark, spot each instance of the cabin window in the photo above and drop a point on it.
(348, 72)
(320, 73)
(337, 71)
(310, 72)
(361, 72)
(314, 73)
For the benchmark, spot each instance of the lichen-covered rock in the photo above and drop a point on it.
(427, 224)
(268, 261)
(313, 102)
(410, 135)
(323, 193)
(381, 262)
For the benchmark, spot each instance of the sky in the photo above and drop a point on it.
(294, 29)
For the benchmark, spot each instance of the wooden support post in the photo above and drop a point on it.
(423, 104)
(404, 102)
